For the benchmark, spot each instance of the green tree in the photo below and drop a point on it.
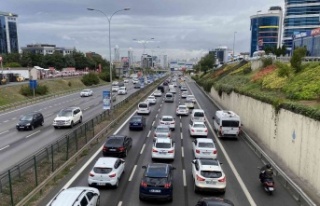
(207, 62)
(296, 59)
(11, 57)
(69, 61)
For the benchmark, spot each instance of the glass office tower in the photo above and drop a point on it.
(266, 29)
(8, 33)
(300, 16)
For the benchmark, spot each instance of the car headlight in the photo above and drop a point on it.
(28, 124)
(17, 124)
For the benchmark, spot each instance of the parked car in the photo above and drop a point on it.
(76, 196)
(117, 145)
(162, 131)
(169, 121)
(86, 93)
(182, 110)
(68, 117)
(163, 148)
(214, 201)
(107, 171)
(197, 129)
(157, 182)
(208, 175)
(204, 148)
(30, 121)
(137, 122)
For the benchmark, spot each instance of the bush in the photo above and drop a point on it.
(266, 61)
(296, 59)
(40, 90)
(105, 76)
(247, 70)
(284, 70)
(90, 79)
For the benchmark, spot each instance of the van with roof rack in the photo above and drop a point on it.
(227, 123)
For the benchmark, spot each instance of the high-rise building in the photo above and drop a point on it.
(130, 56)
(266, 29)
(8, 33)
(300, 16)
(221, 54)
(116, 53)
(164, 61)
(146, 61)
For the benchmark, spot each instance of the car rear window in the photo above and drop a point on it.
(156, 171)
(143, 105)
(101, 170)
(198, 114)
(154, 181)
(211, 174)
(114, 142)
(169, 95)
(228, 123)
(135, 119)
(206, 144)
(199, 126)
(182, 107)
(163, 145)
(162, 129)
(167, 119)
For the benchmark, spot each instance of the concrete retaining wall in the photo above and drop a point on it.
(292, 138)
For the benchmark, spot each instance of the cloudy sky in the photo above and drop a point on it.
(182, 29)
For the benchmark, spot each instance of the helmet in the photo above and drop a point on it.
(268, 166)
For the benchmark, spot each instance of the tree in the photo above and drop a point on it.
(207, 62)
(296, 59)
(69, 61)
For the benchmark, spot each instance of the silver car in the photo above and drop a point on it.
(86, 93)
(162, 131)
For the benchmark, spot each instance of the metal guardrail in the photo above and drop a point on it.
(298, 194)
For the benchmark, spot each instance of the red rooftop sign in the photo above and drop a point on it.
(315, 32)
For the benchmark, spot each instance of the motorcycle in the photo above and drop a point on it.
(267, 183)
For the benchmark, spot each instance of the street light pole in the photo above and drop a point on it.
(110, 64)
(234, 39)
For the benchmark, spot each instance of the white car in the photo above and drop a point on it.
(143, 108)
(163, 148)
(68, 117)
(208, 175)
(189, 104)
(151, 99)
(126, 81)
(197, 129)
(115, 88)
(157, 93)
(162, 131)
(184, 94)
(191, 97)
(204, 148)
(135, 81)
(122, 90)
(86, 93)
(115, 83)
(182, 110)
(169, 121)
(106, 171)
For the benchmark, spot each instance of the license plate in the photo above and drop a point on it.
(199, 130)
(101, 184)
(162, 152)
(211, 182)
(207, 153)
(135, 124)
(155, 191)
(21, 127)
(167, 123)
(112, 149)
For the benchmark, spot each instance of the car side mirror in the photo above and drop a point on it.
(173, 168)
(122, 161)
(144, 167)
(193, 161)
(212, 117)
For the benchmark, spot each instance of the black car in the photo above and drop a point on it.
(157, 182)
(137, 122)
(214, 201)
(30, 121)
(161, 88)
(117, 145)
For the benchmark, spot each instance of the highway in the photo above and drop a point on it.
(239, 164)
(17, 145)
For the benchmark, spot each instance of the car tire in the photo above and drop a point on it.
(80, 120)
(55, 127)
(141, 198)
(126, 153)
(223, 191)
(41, 124)
(32, 127)
(98, 202)
(71, 125)
(195, 188)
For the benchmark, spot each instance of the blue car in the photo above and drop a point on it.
(137, 122)
(157, 182)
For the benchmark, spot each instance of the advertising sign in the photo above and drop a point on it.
(106, 99)
(33, 84)
(315, 32)
(141, 82)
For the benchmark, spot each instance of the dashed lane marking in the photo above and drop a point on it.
(32, 134)
(149, 133)
(181, 135)
(142, 149)
(132, 173)
(120, 203)
(5, 147)
(184, 177)
(182, 152)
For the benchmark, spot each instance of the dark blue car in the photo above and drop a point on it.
(137, 122)
(157, 182)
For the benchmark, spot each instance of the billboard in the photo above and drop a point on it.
(106, 99)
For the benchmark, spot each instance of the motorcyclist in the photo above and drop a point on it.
(266, 172)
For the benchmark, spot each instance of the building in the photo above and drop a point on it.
(93, 54)
(310, 40)
(164, 62)
(116, 53)
(130, 56)
(45, 49)
(221, 54)
(8, 33)
(266, 29)
(146, 61)
(300, 16)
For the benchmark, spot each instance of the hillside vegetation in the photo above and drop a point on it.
(278, 84)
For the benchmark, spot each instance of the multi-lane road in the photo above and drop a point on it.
(239, 163)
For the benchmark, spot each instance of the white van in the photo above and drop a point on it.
(197, 115)
(173, 90)
(143, 108)
(227, 123)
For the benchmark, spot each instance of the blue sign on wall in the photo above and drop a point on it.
(106, 101)
(33, 84)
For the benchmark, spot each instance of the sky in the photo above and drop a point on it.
(181, 29)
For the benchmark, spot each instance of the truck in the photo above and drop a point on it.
(22, 74)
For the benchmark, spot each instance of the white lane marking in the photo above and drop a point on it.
(180, 124)
(132, 173)
(86, 108)
(5, 121)
(4, 132)
(180, 117)
(159, 110)
(13, 118)
(120, 203)
(144, 145)
(153, 123)
(181, 135)
(182, 152)
(156, 116)
(32, 134)
(184, 178)
(149, 133)
(124, 123)
(5, 147)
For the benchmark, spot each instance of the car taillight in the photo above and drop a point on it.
(171, 151)
(105, 148)
(91, 174)
(154, 150)
(206, 130)
(192, 130)
(121, 149)
(113, 175)
(172, 122)
(154, 134)
(215, 151)
(197, 151)
(200, 178)
(167, 185)
(143, 184)
(224, 179)
(221, 130)
(169, 135)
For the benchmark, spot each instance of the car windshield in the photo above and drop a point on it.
(206, 144)
(168, 95)
(65, 113)
(26, 118)
(163, 145)
(114, 142)
(232, 123)
(150, 97)
(162, 129)
(211, 174)
(155, 181)
(86, 90)
(199, 126)
(169, 119)
(102, 170)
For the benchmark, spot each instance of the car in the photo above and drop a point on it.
(162, 131)
(151, 99)
(182, 109)
(157, 182)
(198, 115)
(86, 93)
(126, 81)
(197, 129)
(208, 175)
(157, 93)
(169, 97)
(115, 83)
(214, 201)
(76, 196)
(118, 145)
(137, 122)
(107, 171)
(144, 108)
(163, 148)
(115, 88)
(122, 90)
(68, 117)
(191, 97)
(135, 81)
(137, 85)
(183, 88)
(161, 88)
(169, 121)
(204, 148)
(189, 103)
(30, 121)
(184, 94)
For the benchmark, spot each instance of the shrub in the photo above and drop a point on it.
(90, 79)
(296, 59)
(40, 90)
(69, 84)
(284, 70)
(247, 70)
(263, 72)
(267, 61)
(105, 76)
